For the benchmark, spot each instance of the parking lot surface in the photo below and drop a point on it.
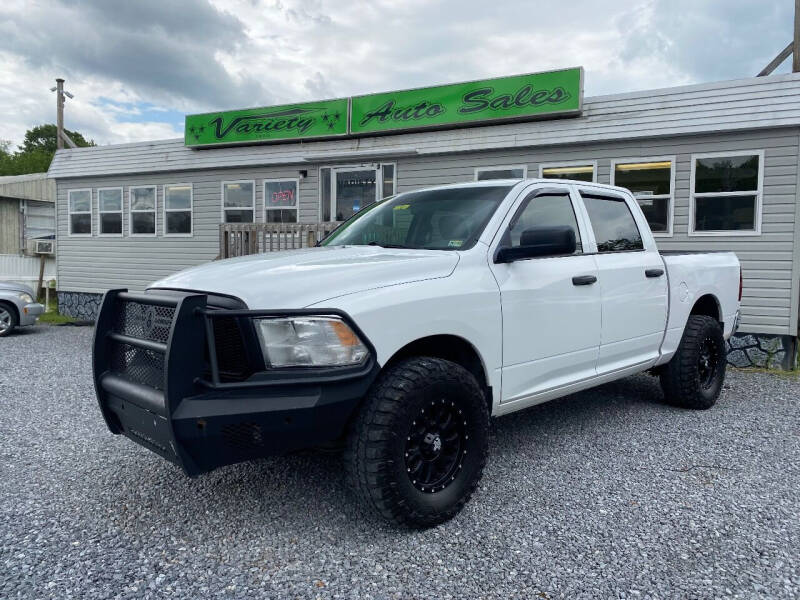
(604, 494)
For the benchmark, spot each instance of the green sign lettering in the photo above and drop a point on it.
(521, 97)
(290, 122)
(501, 99)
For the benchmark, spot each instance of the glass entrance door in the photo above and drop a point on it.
(353, 189)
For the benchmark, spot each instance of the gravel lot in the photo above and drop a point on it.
(604, 494)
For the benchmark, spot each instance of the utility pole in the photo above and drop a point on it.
(793, 48)
(61, 135)
(796, 56)
(60, 113)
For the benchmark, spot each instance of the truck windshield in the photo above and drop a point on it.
(444, 219)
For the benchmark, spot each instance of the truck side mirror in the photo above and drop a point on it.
(539, 241)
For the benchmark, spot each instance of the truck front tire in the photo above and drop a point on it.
(417, 448)
(693, 377)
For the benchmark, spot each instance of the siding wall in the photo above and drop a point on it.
(9, 226)
(15, 268)
(770, 260)
(36, 186)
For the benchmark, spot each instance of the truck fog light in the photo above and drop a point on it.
(309, 342)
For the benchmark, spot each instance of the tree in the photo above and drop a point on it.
(43, 137)
(36, 152)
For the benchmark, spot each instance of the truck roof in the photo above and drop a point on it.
(528, 180)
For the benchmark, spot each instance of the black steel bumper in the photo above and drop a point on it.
(158, 373)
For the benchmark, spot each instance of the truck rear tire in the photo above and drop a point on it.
(693, 377)
(417, 448)
(8, 319)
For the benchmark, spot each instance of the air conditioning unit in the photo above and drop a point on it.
(44, 247)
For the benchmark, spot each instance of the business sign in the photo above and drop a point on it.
(311, 120)
(520, 97)
(458, 104)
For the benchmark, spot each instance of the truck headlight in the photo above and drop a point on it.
(309, 342)
(26, 298)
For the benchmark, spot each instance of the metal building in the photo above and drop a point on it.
(27, 214)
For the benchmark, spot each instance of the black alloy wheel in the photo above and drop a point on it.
(707, 363)
(436, 446)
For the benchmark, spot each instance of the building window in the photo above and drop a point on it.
(178, 205)
(512, 172)
(726, 193)
(343, 191)
(238, 201)
(613, 224)
(580, 171)
(142, 210)
(80, 212)
(325, 194)
(652, 182)
(389, 181)
(109, 207)
(280, 200)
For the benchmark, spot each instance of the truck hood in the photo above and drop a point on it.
(300, 278)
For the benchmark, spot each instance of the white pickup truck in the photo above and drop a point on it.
(406, 329)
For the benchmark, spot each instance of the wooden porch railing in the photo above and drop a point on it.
(240, 239)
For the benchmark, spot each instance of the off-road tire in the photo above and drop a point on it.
(13, 318)
(684, 379)
(377, 453)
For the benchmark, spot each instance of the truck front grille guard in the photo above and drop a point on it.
(153, 351)
(149, 351)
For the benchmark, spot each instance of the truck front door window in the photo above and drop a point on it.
(546, 210)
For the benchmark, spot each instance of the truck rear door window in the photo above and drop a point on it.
(612, 222)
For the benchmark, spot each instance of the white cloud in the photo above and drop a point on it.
(188, 56)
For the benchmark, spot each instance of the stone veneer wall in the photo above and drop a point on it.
(79, 305)
(764, 351)
(744, 349)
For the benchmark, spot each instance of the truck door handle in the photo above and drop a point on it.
(584, 280)
(654, 272)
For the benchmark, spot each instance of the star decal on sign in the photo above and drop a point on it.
(196, 131)
(331, 119)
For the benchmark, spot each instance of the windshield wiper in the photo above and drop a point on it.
(373, 243)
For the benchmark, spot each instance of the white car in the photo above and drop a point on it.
(17, 307)
(407, 328)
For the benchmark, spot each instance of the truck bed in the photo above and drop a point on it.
(692, 275)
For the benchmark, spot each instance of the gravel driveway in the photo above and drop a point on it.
(604, 494)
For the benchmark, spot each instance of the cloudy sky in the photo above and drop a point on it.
(136, 67)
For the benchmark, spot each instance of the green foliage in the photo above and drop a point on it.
(43, 138)
(36, 151)
(53, 317)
